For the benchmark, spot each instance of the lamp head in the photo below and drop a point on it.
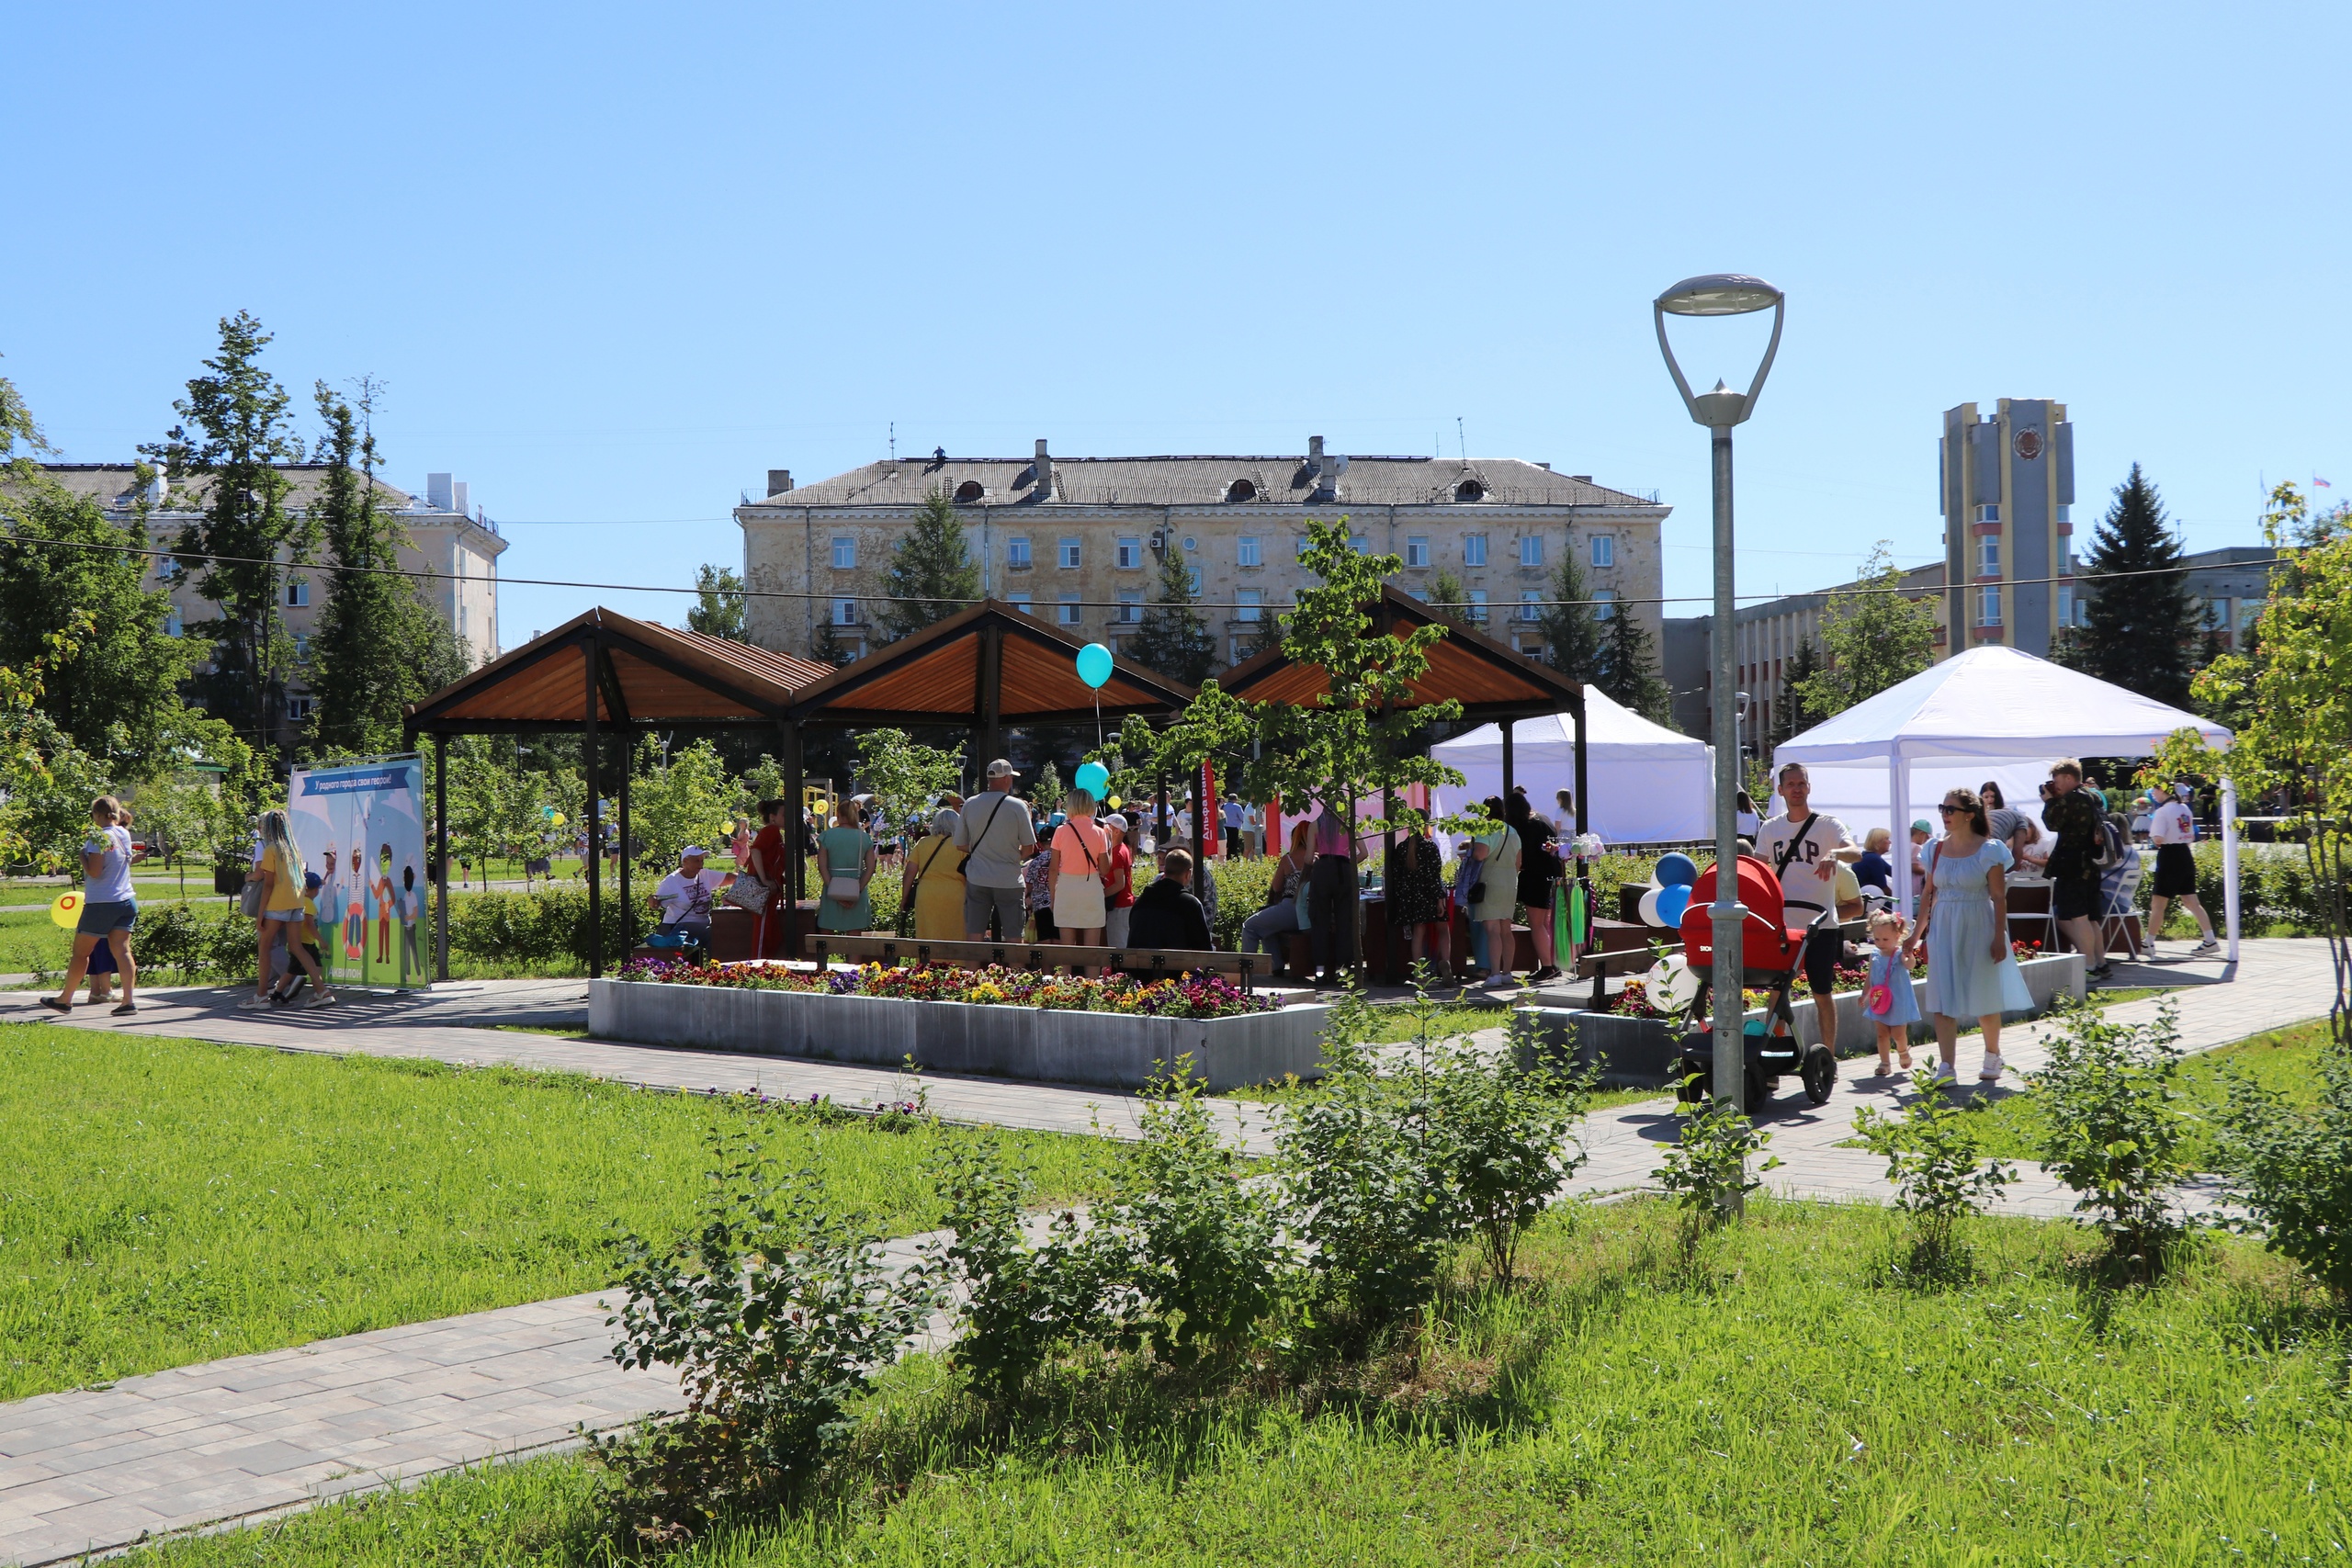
(1720, 293)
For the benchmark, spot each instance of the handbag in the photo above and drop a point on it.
(2015, 996)
(1879, 1000)
(748, 892)
(249, 898)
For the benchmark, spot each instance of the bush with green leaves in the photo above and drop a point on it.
(195, 946)
(775, 1314)
(1706, 1170)
(1932, 1159)
(2114, 1127)
(542, 929)
(1510, 1122)
(2292, 1169)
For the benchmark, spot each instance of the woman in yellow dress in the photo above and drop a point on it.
(934, 883)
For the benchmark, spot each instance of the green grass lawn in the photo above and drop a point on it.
(2012, 1126)
(164, 1201)
(1785, 1403)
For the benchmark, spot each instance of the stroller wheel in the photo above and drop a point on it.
(1694, 1081)
(1820, 1073)
(1759, 1092)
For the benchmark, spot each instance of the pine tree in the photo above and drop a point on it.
(1628, 668)
(378, 645)
(1447, 596)
(2140, 632)
(1174, 639)
(718, 603)
(242, 434)
(1791, 716)
(829, 649)
(932, 575)
(1873, 637)
(1573, 636)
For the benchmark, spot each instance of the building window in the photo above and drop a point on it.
(1531, 604)
(1240, 649)
(1416, 550)
(301, 648)
(297, 594)
(1605, 604)
(1530, 550)
(1469, 489)
(1251, 604)
(1474, 549)
(1130, 555)
(1019, 601)
(844, 612)
(1016, 553)
(1130, 605)
(1192, 578)
(2065, 605)
(1989, 513)
(969, 492)
(1066, 612)
(1989, 606)
(1245, 551)
(1477, 609)
(844, 553)
(167, 568)
(1604, 549)
(2217, 614)
(1988, 556)
(1298, 547)
(1068, 554)
(1359, 543)
(297, 708)
(2065, 512)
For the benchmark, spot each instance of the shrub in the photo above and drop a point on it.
(2293, 1169)
(2114, 1127)
(538, 929)
(1939, 1177)
(1706, 1170)
(775, 1314)
(1508, 1121)
(195, 946)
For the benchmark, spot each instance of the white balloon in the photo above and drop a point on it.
(1649, 907)
(1671, 983)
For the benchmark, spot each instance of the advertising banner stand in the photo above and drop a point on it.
(359, 827)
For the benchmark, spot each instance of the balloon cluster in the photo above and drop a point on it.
(1668, 894)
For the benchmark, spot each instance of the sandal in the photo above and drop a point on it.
(55, 1006)
(126, 1007)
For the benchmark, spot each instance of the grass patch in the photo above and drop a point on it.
(1779, 1403)
(2013, 1125)
(166, 1201)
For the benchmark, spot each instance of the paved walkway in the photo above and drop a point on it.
(237, 1440)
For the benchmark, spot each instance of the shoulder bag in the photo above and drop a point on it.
(749, 890)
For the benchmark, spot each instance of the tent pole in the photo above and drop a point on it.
(1898, 805)
(1510, 724)
(593, 842)
(2229, 867)
(441, 857)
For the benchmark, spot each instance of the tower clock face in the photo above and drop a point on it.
(2028, 443)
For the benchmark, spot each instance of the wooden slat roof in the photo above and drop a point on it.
(1487, 679)
(663, 675)
(933, 676)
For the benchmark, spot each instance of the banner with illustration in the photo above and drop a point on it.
(360, 829)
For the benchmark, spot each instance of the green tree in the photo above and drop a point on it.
(931, 575)
(1574, 637)
(378, 645)
(1628, 672)
(17, 426)
(46, 781)
(829, 648)
(677, 799)
(1447, 596)
(2141, 632)
(1873, 636)
(241, 435)
(718, 603)
(904, 775)
(1791, 716)
(1174, 638)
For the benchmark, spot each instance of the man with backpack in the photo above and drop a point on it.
(2082, 857)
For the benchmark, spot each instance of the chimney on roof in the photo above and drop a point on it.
(458, 499)
(1044, 489)
(779, 480)
(1315, 452)
(159, 487)
(436, 492)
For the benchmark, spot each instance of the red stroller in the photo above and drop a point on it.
(1770, 956)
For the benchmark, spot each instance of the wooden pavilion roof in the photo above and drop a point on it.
(1489, 680)
(649, 673)
(939, 675)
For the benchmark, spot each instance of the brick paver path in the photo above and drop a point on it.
(98, 1469)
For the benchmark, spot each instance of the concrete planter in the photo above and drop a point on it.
(1036, 1045)
(1639, 1053)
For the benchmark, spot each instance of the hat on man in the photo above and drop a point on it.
(692, 852)
(1115, 820)
(1002, 768)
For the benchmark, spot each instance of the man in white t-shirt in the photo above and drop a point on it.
(1805, 849)
(2172, 830)
(684, 897)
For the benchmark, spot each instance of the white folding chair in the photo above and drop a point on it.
(2115, 925)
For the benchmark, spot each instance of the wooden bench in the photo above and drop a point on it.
(1157, 963)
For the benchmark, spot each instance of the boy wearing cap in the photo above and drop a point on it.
(1118, 882)
(684, 897)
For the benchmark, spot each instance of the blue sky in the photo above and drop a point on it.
(615, 263)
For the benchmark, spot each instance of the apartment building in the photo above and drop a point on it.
(2005, 486)
(1081, 540)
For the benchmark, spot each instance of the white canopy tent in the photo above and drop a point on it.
(1990, 713)
(1648, 784)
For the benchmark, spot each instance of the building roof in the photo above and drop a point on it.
(1489, 680)
(1203, 482)
(114, 486)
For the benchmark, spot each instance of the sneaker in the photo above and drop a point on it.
(255, 1000)
(1944, 1074)
(2205, 949)
(321, 1000)
(1991, 1071)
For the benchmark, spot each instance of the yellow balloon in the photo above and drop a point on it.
(66, 913)
(558, 818)
(1114, 803)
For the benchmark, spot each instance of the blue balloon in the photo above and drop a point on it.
(1671, 903)
(1093, 778)
(1676, 870)
(1094, 664)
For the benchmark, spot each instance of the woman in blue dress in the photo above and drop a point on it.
(845, 860)
(1964, 931)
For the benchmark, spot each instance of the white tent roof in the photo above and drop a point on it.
(1648, 783)
(1994, 703)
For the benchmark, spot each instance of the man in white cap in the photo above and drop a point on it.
(683, 897)
(995, 835)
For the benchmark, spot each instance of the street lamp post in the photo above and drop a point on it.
(1723, 294)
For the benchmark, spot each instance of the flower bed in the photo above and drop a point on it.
(1633, 1001)
(1188, 996)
